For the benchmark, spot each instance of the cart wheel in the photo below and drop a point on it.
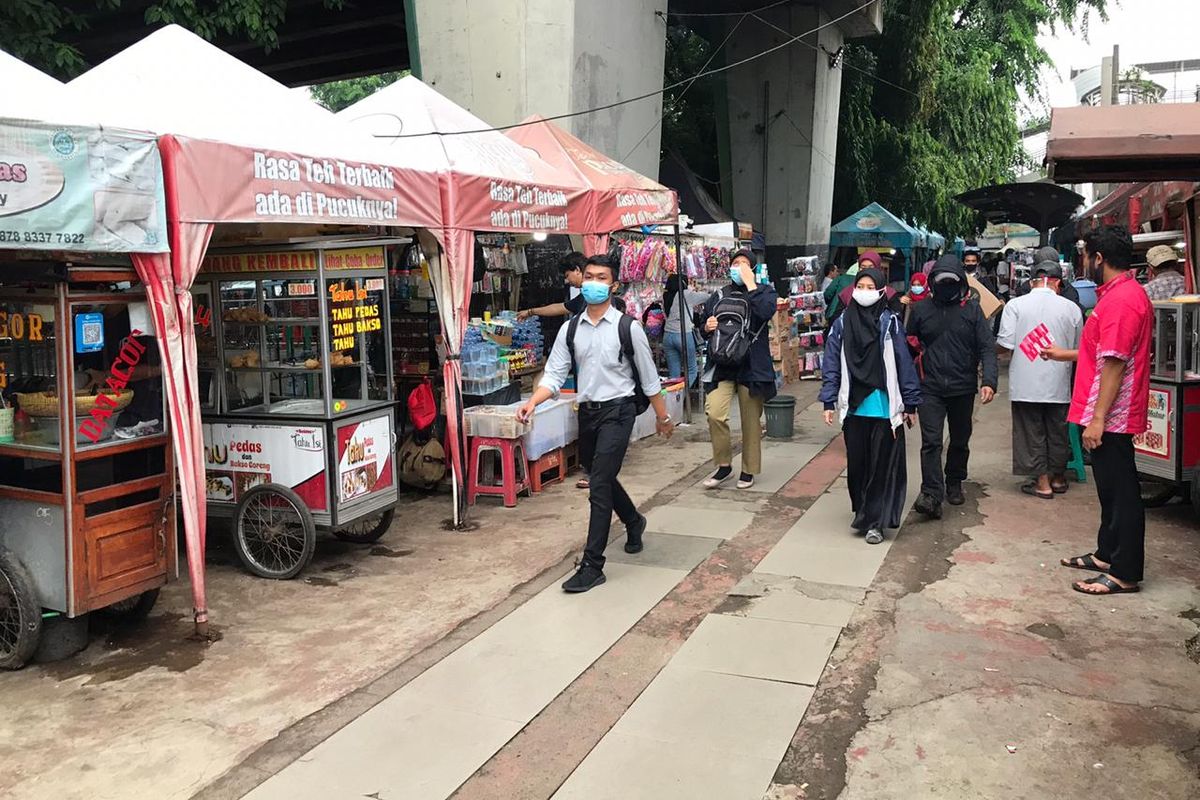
(133, 609)
(1156, 494)
(273, 532)
(367, 529)
(20, 613)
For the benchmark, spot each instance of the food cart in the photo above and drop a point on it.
(296, 393)
(87, 475)
(1168, 453)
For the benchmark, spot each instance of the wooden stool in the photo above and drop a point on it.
(512, 460)
(1076, 462)
(555, 460)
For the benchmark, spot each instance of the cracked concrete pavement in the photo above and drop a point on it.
(973, 671)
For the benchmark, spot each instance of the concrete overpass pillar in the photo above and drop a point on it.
(506, 59)
(783, 126)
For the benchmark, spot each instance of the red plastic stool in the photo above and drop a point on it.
(512, 459)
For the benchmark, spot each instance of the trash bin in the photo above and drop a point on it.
(781, 417)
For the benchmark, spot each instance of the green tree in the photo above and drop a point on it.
(39, 31)
(337, 95)
(929, 109)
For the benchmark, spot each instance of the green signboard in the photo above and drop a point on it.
(81, 189)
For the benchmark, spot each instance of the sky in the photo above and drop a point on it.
(1146, 30)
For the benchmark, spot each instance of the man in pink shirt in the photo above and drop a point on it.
(1112, 387)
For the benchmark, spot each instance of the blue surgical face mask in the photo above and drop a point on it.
(594, 292)
(735, 274)
(918, 289)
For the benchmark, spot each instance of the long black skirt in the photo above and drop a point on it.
(876, 472)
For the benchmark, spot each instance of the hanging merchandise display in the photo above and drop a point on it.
(807, 304)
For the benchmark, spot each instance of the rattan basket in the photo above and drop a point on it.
(45, 404)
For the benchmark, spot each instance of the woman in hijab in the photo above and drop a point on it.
(870, 381)
(918, 290)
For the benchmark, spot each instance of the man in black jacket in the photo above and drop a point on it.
(954, 338)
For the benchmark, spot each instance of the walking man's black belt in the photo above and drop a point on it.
(592, 406)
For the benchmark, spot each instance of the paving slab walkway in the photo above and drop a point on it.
(720, 716)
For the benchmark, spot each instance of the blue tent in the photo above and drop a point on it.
(875, 227)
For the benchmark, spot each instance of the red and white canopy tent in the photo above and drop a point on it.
(620, 198)
(237, 147)
(489, 183)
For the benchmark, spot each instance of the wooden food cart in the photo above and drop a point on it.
(296, 387)
(86, 466)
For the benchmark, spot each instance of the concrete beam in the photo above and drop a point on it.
(506, 59)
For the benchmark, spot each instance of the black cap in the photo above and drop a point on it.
(1048, 269)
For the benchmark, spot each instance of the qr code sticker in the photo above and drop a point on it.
(93, 333)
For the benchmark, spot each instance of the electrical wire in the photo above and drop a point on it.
(776, 4)
(845, 64)
(655, 93)
(675, 103)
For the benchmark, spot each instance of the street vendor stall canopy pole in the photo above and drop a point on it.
(620, 197)
(236, 147)
(488, 183)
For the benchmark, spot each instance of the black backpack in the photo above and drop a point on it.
(625, 331)
(730, 342)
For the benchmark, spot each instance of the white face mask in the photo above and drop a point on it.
(867, 297)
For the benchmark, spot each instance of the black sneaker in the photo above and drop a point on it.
(954, 493)
(588, 577)
(633, 536)
(928, 506)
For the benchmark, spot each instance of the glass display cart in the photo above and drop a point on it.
(86, 465)
(296, 391)
(1170, 450)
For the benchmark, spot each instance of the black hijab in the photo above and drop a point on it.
(860, 344)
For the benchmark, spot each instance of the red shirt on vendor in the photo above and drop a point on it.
(1120, 328)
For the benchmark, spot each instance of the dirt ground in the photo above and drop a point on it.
(144, 713)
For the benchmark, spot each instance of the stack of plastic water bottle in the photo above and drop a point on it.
(528, 335)
(482, 371)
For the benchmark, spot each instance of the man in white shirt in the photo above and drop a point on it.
(608, 374)
(1040, 390)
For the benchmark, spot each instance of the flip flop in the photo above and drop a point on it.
(1108, 583)
(1086, 562)
(1059, 488)
(1031, 489)
(582, 483)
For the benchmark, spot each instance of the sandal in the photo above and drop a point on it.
(582, 483)
(1031, 489)
(1108, 583)
(1059, 488)
(1087, 562)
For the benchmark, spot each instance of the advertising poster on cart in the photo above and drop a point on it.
(1156, 442)
(364, 458)
(238, 457)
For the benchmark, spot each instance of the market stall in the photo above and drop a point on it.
(1149, 143)
(87, 482)
(488, 183)
(876, 228)
(260, 165)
